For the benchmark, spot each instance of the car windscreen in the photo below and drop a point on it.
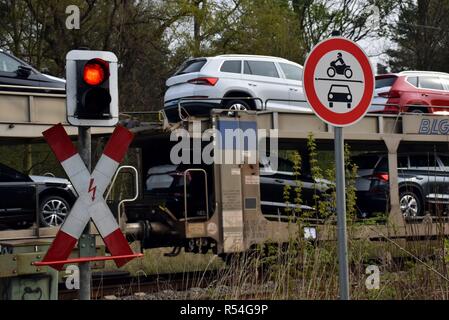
(382, 82)
(365, 161)
(191, 66)
(8, 174)
(159, 181)
(8, 64)
(339, 89)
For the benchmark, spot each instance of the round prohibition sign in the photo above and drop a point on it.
(316, 87)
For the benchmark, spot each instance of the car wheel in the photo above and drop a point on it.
(236, 105)
(331, 104)
(53, 211)
(417, 110)
(410, 204)
(349, 106)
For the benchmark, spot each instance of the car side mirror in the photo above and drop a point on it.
(24, 71)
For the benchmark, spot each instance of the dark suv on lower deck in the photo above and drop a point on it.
(165, 186)
(18, 199)
(423, 180)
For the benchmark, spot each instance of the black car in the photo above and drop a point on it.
(165, 185)
(18, 198)
(17, 75)
(273, 182)
(423, 183)
(339, 93)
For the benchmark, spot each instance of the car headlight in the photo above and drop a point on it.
(331, 95)
(72, 189)
(349, 97)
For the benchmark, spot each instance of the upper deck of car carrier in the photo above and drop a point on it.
(25, 114)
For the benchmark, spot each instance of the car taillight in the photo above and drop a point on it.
(382, 176)
(206, 81)
(390, 94)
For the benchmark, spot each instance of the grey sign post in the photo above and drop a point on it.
(338, 83)
(84, 245)
(341, 214)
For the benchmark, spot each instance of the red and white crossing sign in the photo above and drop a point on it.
(90, 188)
(338, 81)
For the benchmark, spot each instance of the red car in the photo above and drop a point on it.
(411, 91)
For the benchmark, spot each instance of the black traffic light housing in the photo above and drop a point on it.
(93, 97)
(92, 88)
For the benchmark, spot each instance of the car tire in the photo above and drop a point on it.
(410, 204)
(237, 105)
(417, 110)
(53, 211)
(331, 104)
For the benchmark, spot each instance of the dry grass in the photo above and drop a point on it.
(312, 273)
(304, 270)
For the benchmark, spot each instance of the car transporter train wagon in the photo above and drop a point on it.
(229, 213)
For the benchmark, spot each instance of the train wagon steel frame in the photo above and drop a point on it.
(237, 223)
(236, 227)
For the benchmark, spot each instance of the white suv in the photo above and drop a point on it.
(275, 81)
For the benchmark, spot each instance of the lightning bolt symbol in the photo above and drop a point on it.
(92, 188)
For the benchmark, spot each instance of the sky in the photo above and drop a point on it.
(376, 47)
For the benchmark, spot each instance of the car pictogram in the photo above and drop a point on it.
(339, 93)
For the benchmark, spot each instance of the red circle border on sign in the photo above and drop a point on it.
(334, 118)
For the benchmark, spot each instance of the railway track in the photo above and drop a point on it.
(121, 284)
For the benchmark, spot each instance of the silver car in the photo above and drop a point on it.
(272, 82)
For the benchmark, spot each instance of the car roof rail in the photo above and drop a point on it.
(251, 56)
(418, 72)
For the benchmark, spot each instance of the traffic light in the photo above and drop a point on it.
(91, 88)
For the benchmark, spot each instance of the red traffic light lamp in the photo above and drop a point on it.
(95, 72)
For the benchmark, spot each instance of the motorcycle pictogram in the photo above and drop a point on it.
(338, 66)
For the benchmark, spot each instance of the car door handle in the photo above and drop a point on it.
(293, 89)
(252, 85)
(279, 180)
(419, 177)
(424, 94)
